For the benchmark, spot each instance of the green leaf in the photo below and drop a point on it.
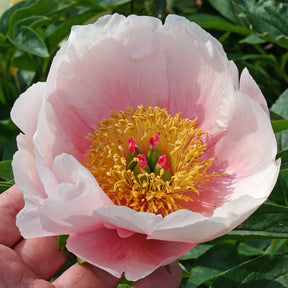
(213, 263)
(275, 246)
(35, 8)
(227, 9)
(4, 186)
(108, 3)
(196, 252)
(30, 41)
(4, 20)
(279, 125)
(284, 156)
(6, 173)
(63, 30)
(269, 221)
(263, 271)
(62, 239)
(281, 108)
(208, 21)
(274, 116)
(267, 18)
(253, 40)
(279, 194)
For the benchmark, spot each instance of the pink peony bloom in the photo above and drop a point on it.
(79, 176)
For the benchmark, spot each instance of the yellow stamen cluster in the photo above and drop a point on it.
(180, 140)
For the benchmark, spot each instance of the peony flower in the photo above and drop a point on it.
(142, 143)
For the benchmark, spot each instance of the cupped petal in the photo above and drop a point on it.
(134, 256)
(249, 144)
(26, 108)
(120, 66)
(249, 87)
(70, 209)
(199, 79)
(188, 226)
(128, 219)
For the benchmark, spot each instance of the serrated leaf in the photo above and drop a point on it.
(263, 271)
(30, 41)
(267, 18)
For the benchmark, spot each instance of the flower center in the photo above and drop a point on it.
(148, 160)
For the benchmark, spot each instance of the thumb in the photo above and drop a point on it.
(162, 278)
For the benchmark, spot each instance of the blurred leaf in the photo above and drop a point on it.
(209, 21)
(25, 61)
(263, 271)
(4, 20)
(269, 221)
(227, 9)
(197, 251)
(4, 186)
(275, 246)
(274, 116)
(281, 108)
(279, 194)
(30, 41)
(268, 18)
(63, 30)
(213, 263)
(36, 8)
(284, 156)
(253, 40)
(279, 125)
(156, 7)
(107, 3)
(6, 173)
(249, 250)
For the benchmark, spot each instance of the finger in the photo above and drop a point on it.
(162, 278)
(41, 255)
(86, 275)
(14, 272)
(11, 202)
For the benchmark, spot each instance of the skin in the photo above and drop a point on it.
(31, 263)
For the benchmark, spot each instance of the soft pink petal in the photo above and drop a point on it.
(188, 226)
(70, 209)
(126, 218)
(249, 144)
(249, 87)
(118, 68)
(135, 256)
(26, 108)
(199, 79)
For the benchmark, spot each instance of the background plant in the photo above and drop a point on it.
(254, 34)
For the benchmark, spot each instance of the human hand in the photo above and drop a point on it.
(27, 263)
